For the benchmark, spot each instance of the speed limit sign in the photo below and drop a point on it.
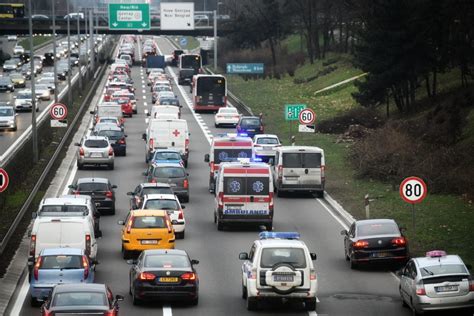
(413, 190)
(58, 111)
(307, 117)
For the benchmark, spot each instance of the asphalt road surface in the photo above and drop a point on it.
(342, 291)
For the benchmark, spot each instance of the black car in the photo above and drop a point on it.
(116, 137)
(375, 240)
(48, 59)
(81, 299)
(175, 58)
(250, 125)
(62, 71)
(147, 188)
(164, 274)
(101, 191)
(6, 84)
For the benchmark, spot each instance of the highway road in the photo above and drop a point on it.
(342, 291)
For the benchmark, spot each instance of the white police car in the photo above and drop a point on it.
(279, 266)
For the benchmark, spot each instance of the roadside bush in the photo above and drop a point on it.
(366, 117)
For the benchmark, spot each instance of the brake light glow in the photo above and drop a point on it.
(471, 285)
(360, 244)
(190, 276)
(270, 205)
(111, 151)
(36, 268)
(146, 276)
(121, 141)
(109, 194)
(312, 274)
(33, 245)
(185, 183)
(280, 173)
(129, 224)
(85, 266)
(323, 168)
(399, 241)
(181, 214)
(88, 245)
(420, 289)
(150, 144)
(81, 151)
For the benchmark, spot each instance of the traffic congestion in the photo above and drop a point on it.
(180, 203)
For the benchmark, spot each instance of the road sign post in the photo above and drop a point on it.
(135, 16)
(413, 190)
(4, 180)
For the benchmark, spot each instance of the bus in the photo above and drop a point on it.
(12, 10)
(209, 92)
(187, 61)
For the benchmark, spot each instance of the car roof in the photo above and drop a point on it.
(61, 251)
(300, 149)
(88, 180)
(431, 261)
(79, 287)
(160, 197)
(148, 212)
(166, 150)
(65, 200)
(266, 135)
(153, 185)
(165, 252)
(6, 106)
(281, 243)
(375, 221)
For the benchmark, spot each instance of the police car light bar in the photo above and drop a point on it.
(436, 253)
(279, 235)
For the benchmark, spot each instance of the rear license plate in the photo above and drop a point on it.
(380, 254)
(168, 280)
(96, 154)
(149, 242)
(250, 130)
(283, 278)
(172, 184)
(447, 288)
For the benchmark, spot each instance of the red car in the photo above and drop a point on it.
(126, 103)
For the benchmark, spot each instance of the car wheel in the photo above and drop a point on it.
(352, 264)
(215, 218)
(414, 312)
(185, 199)
(310, 304)
(180, 235)
(244, 291)
(34, 302)
(136, 301)
(220, 225)
(269, 227)
(195, 301)
(80, 166)
(345, 255)
(185, 164)
(14, 129)
(37, 109)
(112, 210)
(216, 125)
(279, 193)
(125, 253)
(252, 304)
(125, 152)
(111, 166)
(320, 194)
(135, 112)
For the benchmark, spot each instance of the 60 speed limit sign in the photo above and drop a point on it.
(58, 111)
(307, 117)
(413, 190)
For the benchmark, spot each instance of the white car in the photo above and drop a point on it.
(226, 116)
(12, 38)
(279, 266)
(264, 146)
(23, 100)
(43, 92)
(170, 203)
(18, 50)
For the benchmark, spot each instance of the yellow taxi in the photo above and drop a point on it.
(146, 229)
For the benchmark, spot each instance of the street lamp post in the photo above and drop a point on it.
(69, 88)
(34, 131)
(215, 40)
(55, 71)
(79, 52)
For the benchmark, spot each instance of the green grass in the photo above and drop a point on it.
(442, 221)
(193, 43)
(37, 40)
(293, 43)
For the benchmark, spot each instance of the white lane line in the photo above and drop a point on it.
(143, 81)
(167, 311)
(333, 215)
(145, 104)
(21, 296)
(312, 313)
(144, 97)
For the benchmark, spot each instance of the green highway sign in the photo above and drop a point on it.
(134, 16)
(292, 111)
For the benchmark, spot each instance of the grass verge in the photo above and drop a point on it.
(37, 40)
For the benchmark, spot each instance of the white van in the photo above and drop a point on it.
(244, 194)
(58, 232)
(157, 111)
(298, 168)
(167, 133)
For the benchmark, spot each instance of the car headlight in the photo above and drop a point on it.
(11, 122)
(21, 82)
(9, 86)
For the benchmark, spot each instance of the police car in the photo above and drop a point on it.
(279, 266)
(244, 194)
(227, 148)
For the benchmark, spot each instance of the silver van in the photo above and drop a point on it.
(298, 168)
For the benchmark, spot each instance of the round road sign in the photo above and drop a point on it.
(4, 180)
(307, 117)
(58, 111)
(413, 190)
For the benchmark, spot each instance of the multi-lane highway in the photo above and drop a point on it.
(342, 291)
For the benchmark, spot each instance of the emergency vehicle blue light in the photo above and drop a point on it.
(243, 134)
(257, 159)
(279, 235)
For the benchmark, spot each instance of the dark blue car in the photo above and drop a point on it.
(250, 126)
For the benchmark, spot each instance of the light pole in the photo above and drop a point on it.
(215, 40)
(79, 52)
(69, 88)
(54, 53)
(34, 131)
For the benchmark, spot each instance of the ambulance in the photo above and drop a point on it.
(244, 194)
(227, 148)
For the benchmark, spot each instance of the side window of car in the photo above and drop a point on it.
(352, 231)
(413, 270)
(137, 190)
(252, 253)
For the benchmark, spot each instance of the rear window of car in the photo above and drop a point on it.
(169, 172)
(443, 269)
(79, 299)
(292, 256)
(251, 122)
(228, 110)
(167, 261)
(114, 135)
(157, 190)
(372, 229)
(167, 156)
(96, 143)
(61, 262)
(148, 222)
(267, 141)
(161, 204)
(166, 101)
(302, 160)
(92, 186)
(246, 185)
(226, 155)
(63, 209)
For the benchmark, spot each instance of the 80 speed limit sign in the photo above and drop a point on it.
(413, 190)
(58, 111)
(307, 117)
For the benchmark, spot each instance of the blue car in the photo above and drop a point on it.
(250, 126)
(167, 156)
(57, 266)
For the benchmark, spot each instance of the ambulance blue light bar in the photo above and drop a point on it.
(243, 134)
(257, 159)
(279, 235)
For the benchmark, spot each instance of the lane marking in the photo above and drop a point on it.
(144, 97)
(333, 215)
(167, 311)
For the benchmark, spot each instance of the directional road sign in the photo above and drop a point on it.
(177, 15)
(413, 190)
(183, 42)
(245, 68)
(4, 180)
(58, 111)
(307, 117)
(135, 16)
(292, 111)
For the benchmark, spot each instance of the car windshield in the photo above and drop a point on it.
(167, 261)
(292, 256)
(79, 299)
(267, 141)
(10, 62)
(24, 95)
(63, 209)
(108, 120)
(302, 160)
(96, 143)
(61, 262)
(250, 122)
(167, 101)
(148, 222)
(372, 229)
(114, 135)
(41, 87)
(227, 155)
(6, 112)
(157, 190)
(16, 76)
(161, 204)
(5, 80)
(246, 186)
(169, 172)
(442, 269)
(167, 156)
(92, 186)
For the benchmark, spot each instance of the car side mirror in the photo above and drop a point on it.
(145, 173)
(402, 228)
(194, 261)
(129, 193)
(114, 186)
(34, 215)
(187, 174)
(183, 206)
(313, 256)
(399, 272)
(144, 136)
(125, 135)
(71, 186)
(95, 262)
(344, 232)
(121, 223)
(92, 112)
(132, 261)
(77, 144)
(243, 256)
(206, 158)
(119, 298)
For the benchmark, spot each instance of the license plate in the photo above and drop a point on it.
(168, 280)
(380, 254)
(448, 288)
(250, 130)
(283, 278)
(96, 154)
(149, 242)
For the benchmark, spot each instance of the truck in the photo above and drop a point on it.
(154, 62)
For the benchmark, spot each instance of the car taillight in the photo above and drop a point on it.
(76, 192)
(471, 285)
(36, 268)
(185, 183)
(312, 274)
(220, 199)
(280, 173)
(85, 266)
(121, 141)
(225, 100)
(81, 151)
(47, 313)
(111, 151)
(109, 194)
(181, 214)
(33, 245)
(129, 225)
(270, 205)
(420, 289)
(88, 245)
(146, 276)
(189, 276)
(153, 180)
(360, 244)
(257, 145)
(399, 241)
(110, 312)
(186, 144)
(150, 144)
(323, 168)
